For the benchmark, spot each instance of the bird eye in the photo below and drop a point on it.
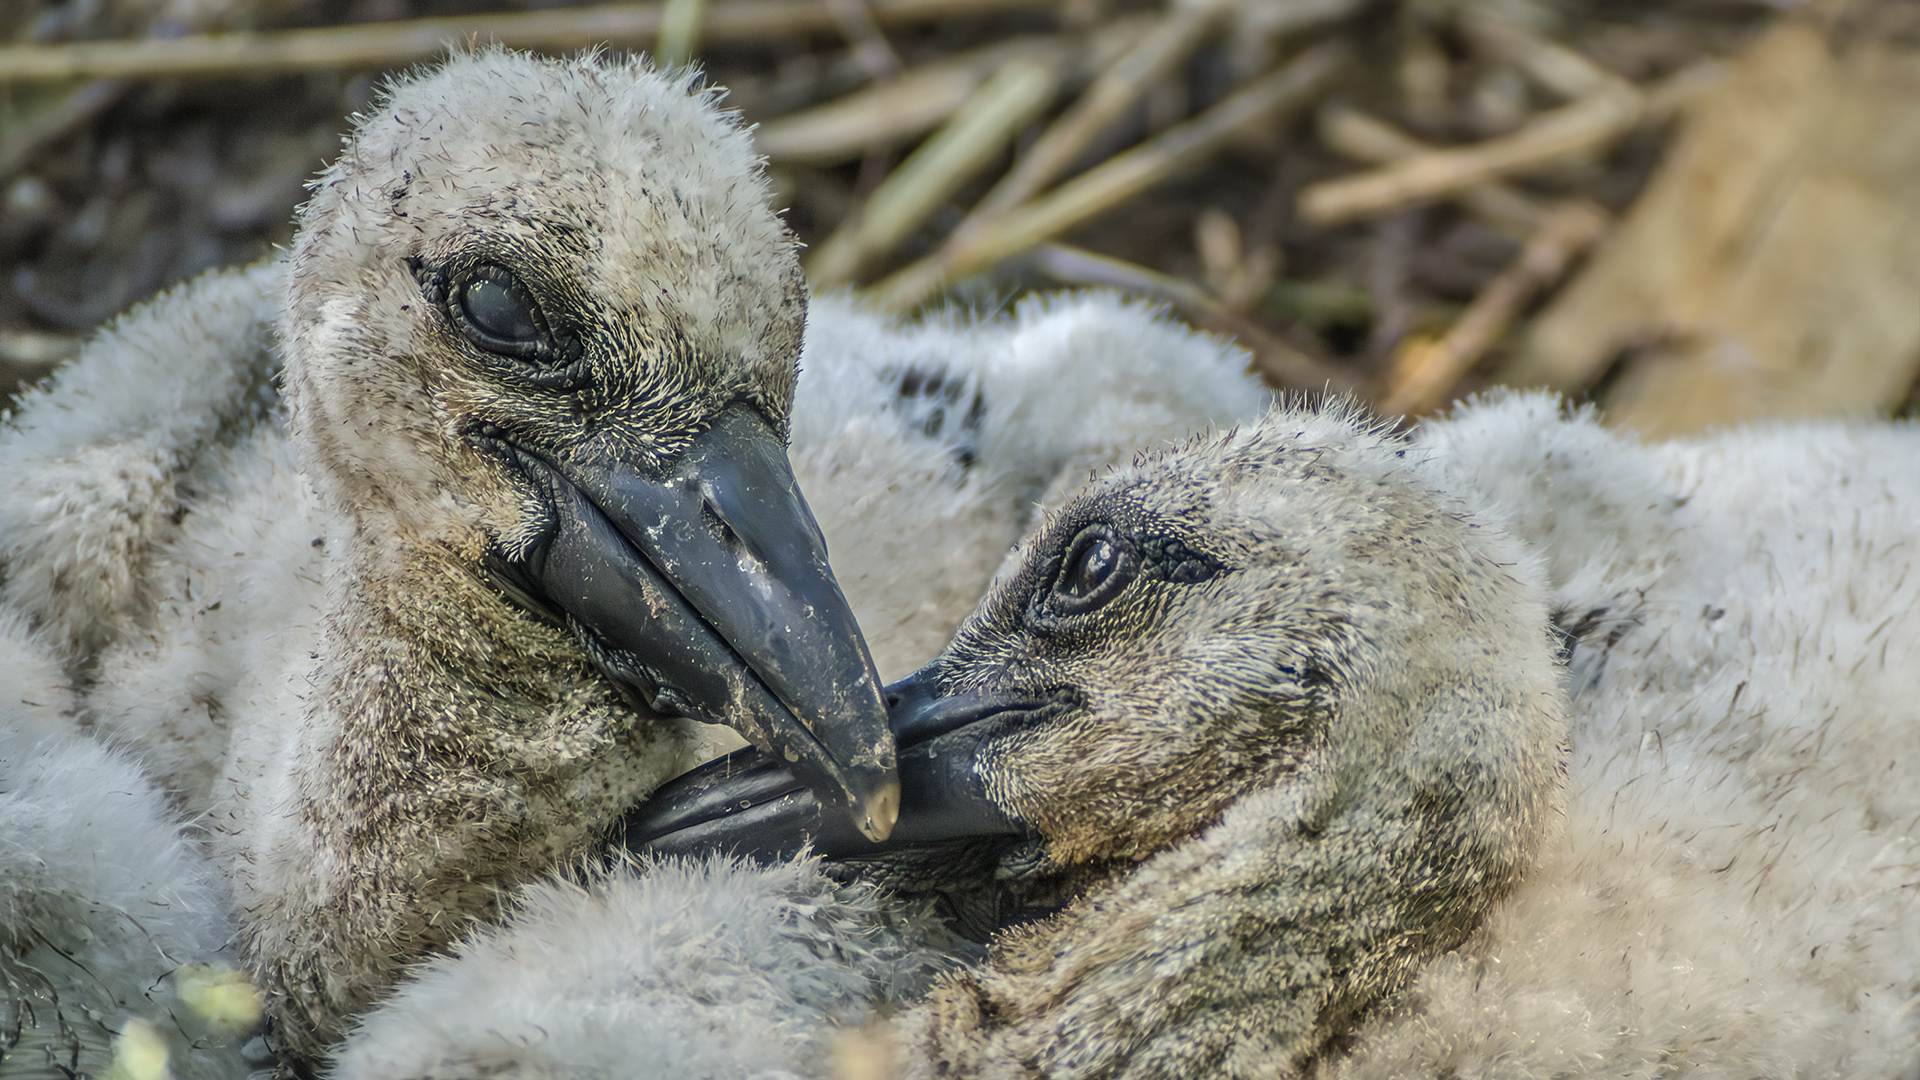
(1096, 569)
(497, 313)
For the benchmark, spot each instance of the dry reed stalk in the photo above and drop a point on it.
(1571, 130)
(1425, 370)
(1168, 45)
(915, 103)
(871, 49)
(1279, 363)
(1549, 63)
(679, 31)
(923, 97)
(980, 131)
(1120, 178)
(1351, 133)
(1117, 89)
(381, 45)
(1553, 136)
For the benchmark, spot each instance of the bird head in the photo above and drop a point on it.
(540, 311)
(1292, 609)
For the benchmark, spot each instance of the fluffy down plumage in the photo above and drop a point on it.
(1735, 888)
(218, 577)
(711, 969)
(171, 542)
(1737, 892)
(115, 944)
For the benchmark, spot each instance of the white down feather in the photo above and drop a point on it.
(688, 970)
(183, 579)
(115, 945)
(1736, 892)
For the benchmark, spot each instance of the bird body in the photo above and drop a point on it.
(1725, 884)
(262, 520)
(115, 937)
(1735, 889)
(397, 637)
(1277, 717)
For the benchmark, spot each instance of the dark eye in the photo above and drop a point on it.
(496, 311)
(1097, 568)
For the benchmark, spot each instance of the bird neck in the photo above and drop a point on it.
(461, 747)
(1265, 935)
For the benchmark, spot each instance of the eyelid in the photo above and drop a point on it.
(1126, 568)
(545, 357)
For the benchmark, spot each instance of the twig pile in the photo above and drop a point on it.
(1366, 194)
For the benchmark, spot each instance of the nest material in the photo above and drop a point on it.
(1692, 213)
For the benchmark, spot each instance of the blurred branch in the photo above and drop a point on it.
(31, 350)
(1352, 133)
(1120, 178)
(1118, 88)
(978, 132)
(1426, 370)
(380, 45)
(923, 97)
(871, 49)
(26, 137)
(1547, 62)
(1585, 125)
(679, 32)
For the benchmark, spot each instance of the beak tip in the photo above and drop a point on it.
(879, 811)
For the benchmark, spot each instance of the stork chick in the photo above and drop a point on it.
(527, 516)
(1736, 891)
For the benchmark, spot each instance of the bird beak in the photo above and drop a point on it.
(707, 592)
(750, 804)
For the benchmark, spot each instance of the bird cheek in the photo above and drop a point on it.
(510, 510)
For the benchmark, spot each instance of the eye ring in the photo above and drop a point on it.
(1097, 567)
(497, 312)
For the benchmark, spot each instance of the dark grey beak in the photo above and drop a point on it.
(707, 592)
(750, 804)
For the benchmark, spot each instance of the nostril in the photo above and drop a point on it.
(893, 701)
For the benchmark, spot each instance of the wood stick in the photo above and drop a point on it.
(1114, 92)
(1573, 129)
(956, 153)
(679, 31)
(1352, 133)
(1553, 136)
(382, 45)
(1280, 364)
(1118, 88)
(871, 49)
(1426, 370)
(923, 97)
(842, 130)
(1120, 178)
(1547, 62)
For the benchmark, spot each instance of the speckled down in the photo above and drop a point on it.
(1731, 889)
(104, 904)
